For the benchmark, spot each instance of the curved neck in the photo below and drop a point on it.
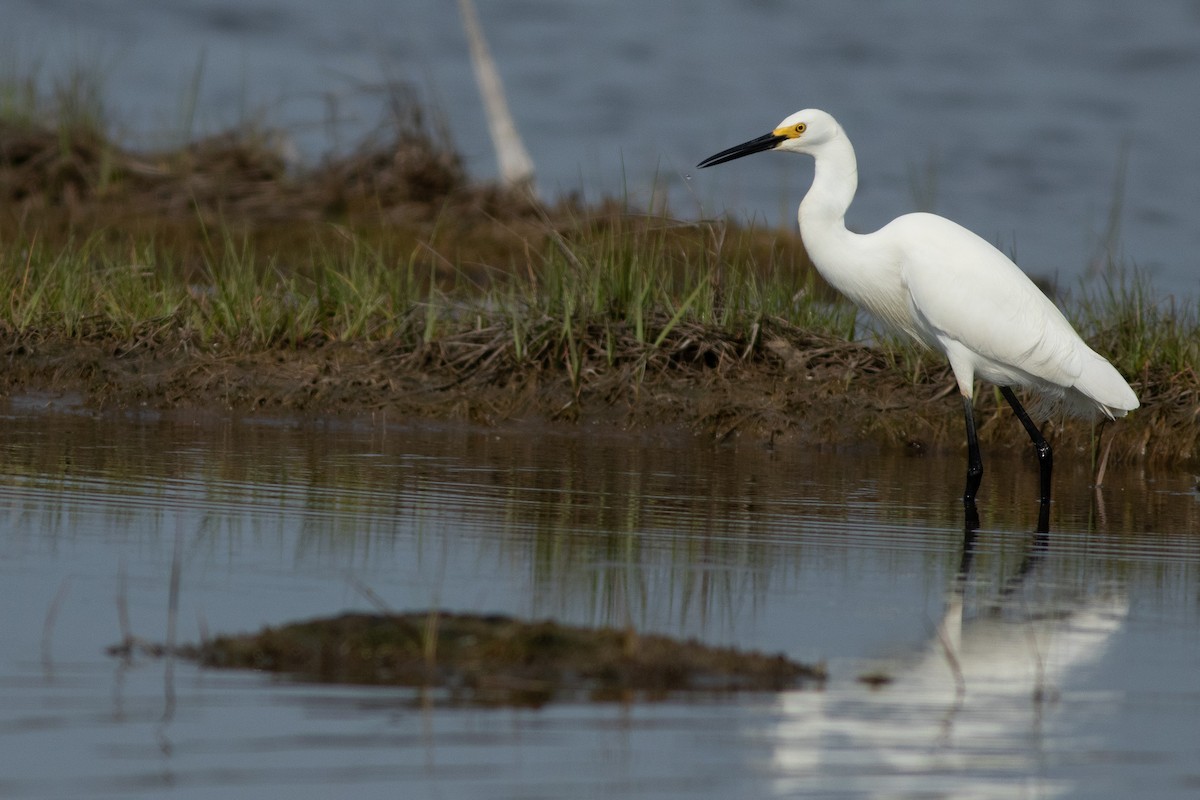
(835, 180)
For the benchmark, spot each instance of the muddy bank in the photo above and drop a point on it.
(777, 384)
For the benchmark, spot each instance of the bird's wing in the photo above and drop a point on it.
(963, 289)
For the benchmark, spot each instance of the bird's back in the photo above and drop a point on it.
(969, 300)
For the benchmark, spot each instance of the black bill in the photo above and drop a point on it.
(765, 142)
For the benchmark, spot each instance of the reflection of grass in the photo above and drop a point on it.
(616, 531)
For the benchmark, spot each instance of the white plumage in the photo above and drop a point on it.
(945, 287)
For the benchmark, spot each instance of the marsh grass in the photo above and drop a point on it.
(644, 275)
(1123, 316)
(587, 284)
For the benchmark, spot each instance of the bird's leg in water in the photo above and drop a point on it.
(974, 462)
(1040, 445)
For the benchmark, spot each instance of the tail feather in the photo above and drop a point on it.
(1105, 388)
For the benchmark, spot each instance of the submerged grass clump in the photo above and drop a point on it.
(496, 660)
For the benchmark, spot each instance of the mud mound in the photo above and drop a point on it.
(497, 660)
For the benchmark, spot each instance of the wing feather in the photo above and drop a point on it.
(965, 290)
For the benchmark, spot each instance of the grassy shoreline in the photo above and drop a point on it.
(385, 279)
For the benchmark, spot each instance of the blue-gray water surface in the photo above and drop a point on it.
(1064, 664)
(1063, 132)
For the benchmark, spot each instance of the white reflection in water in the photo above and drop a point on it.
(983, 698)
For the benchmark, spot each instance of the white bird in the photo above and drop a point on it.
(949, 290)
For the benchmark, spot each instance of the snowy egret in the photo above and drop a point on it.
(949, 290)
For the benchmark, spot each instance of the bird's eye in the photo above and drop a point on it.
(801, 127)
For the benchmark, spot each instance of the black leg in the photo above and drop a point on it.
(970, 527)
(974, 462)
(1040, 445)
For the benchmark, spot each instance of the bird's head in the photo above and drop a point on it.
(802, 132)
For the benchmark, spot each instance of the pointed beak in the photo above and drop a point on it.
(767, 141)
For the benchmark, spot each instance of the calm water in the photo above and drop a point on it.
(1014, 118)
(1077, 651)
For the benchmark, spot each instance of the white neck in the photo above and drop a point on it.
(835, 179)
(843, 258)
